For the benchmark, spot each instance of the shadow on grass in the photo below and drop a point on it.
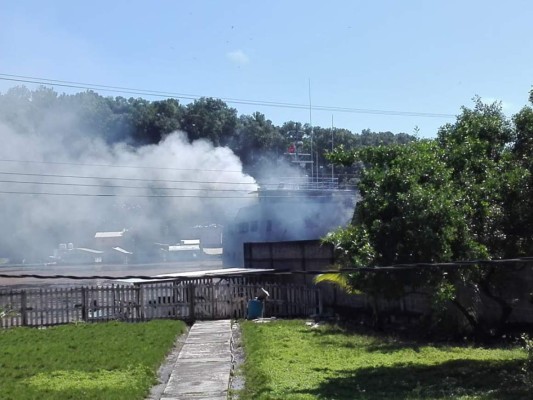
(257, 384)
(382, 342)
(375, 342)
(454, 379)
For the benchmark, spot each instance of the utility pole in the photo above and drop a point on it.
(332, 167)
(311, 123)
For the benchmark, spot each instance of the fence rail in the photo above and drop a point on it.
(187, 300)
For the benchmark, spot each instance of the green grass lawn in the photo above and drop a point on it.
(112, 360)
(288, 360)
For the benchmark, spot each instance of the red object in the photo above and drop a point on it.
(292, 149)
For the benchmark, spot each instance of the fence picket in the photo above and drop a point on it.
(188, 299)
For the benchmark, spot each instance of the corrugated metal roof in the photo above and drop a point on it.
(190, 242)
(198, 274)
(84, 249)
(109, 234)
(184, 247)
(121, 250)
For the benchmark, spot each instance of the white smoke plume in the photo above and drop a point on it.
(56, 186)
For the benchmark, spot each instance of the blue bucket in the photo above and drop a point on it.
(255, 309)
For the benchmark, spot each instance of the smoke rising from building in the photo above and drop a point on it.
(62, 184)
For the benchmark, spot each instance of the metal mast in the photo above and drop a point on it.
(311, 123)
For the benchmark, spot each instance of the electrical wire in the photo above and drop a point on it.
(10, 173)
(118, 89)
(117, 195)
(200, 170)
(165, 196)
(384, 269)
(122, 179)
(118, 166)
(120, 186)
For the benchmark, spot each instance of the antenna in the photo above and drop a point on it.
(332, 164)
(311, 123)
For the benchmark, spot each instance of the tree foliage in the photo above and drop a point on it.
(211, 119)
(257, 139)
(464, 195)
(135, 121)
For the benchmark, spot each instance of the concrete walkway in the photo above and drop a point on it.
(203, 367)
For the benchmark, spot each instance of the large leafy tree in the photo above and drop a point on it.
(437, 200)
(152, 121)
(519, 185)
(476, 150)
(257, 141)
(211, 119)
(410, 212)
(90, 113)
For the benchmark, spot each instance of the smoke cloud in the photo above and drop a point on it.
(60, 184)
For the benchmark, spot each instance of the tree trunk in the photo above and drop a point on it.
(377, 322)
(506, 308)
(478, 331)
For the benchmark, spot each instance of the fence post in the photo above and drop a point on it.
(231, 295)
(23, 308)
(84, 304)
(67, 304)
(213, 302)
(319, 300)
(287, 297)
(191, 288)
(140, 302)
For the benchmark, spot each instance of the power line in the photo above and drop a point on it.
(304, 197)
(119, 195)
(102, 178)
(118, 166)
(123, 179)
(153, 93)
(115, 186)
(119, 186)
(112, 195)
(136, 167)
(342, 175)
(384, 269)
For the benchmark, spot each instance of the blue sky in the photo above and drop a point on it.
(414, 56)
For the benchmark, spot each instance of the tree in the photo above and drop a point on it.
(410, 212)
(120, 127)
(17, 109)
(90, 110)
(519, 186)
(476, 149)
(210, 119)
(257, 140)
(439, 200)
(152, 121)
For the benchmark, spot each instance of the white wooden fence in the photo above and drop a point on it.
(187, 300)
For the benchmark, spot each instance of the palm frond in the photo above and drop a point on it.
(341, 280)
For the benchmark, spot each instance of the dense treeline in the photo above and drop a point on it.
(465, 195)
(71, 138)
(135, 121)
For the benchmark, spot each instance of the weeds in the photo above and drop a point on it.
(112, 360)
(287, 360)
(527, 367)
